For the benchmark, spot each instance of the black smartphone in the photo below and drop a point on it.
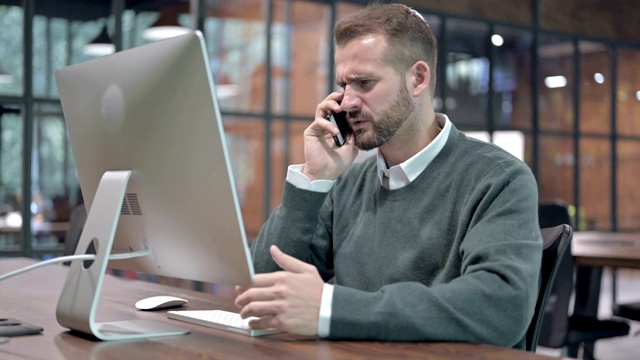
(340, 121)
(14, 327)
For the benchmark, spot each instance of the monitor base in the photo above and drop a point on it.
(78, 301)
(135, 329)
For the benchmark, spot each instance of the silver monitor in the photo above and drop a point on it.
(153, 166)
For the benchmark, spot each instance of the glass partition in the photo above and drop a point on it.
(246, 144)
(627, 184)
(628, 145)
(595, 184)
(300, 62)
(557, 157)
(595, 88)
(512, 78)
(595, 144)
(11, 192)
(237, 41)
(556, 177)
(55, 189)
(556, 81)
(11, 50)
(628, 93)
(467, 73)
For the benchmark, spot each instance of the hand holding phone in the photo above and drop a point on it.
(339, 120)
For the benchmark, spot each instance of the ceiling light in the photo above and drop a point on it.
(599, 78)
(167, 25)
(156, 33)
(497, 40)
(101, 45)
(553, 82)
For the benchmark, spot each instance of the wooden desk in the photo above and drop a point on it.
(598, 248)
(32, 297)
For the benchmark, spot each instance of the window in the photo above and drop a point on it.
(272, 62)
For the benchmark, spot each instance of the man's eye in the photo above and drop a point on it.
(364, 82)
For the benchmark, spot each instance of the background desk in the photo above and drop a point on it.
(599, 248)
(593, 250)
(42, 231)
(32, 297)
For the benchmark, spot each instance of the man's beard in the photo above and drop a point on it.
(387, 124)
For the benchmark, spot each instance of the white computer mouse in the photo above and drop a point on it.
(160, 302)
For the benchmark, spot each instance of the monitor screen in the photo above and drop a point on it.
(152, 110)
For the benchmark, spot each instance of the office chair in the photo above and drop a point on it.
(556, 252)
(629, 310)
(558, 329)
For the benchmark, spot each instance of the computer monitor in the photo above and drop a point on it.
(152, 162)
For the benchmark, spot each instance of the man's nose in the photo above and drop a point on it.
(350, 101)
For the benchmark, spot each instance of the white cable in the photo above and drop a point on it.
(72, 258)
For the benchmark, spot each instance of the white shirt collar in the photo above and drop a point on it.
(403, 174)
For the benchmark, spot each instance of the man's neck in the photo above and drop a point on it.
(410, 139)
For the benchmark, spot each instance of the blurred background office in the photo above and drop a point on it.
(557, 79)
(555, 82)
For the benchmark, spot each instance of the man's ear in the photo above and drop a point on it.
(421, 77)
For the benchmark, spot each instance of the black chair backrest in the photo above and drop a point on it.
(554, 329)
(551, 311)
(553, 213)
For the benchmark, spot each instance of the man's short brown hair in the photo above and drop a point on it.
(407, 33)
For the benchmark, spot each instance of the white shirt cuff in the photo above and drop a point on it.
(301, 181)
(324, 318)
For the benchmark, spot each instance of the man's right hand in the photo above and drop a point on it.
(324, 160)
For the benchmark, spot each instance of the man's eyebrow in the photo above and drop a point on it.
(351, 78)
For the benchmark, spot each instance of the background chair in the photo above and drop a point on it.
(629, 310)
(559, 329)
(556, 252)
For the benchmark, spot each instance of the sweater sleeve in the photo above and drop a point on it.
(292, 226)
(493, 299)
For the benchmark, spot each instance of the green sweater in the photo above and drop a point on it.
(453, 256)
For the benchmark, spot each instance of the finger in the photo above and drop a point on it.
(261, 309)
(330, 104)
(327, 127)
(256, 294)
(337, 99)
(288, 262)
(320, 127)
(266, 322)
(260, 280)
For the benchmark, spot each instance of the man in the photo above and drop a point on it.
(434, 239)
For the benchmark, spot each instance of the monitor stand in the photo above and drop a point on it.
(79, 298)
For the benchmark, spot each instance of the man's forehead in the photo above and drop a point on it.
(368, 48)
(370, 42)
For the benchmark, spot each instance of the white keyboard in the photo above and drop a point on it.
(219, 319)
